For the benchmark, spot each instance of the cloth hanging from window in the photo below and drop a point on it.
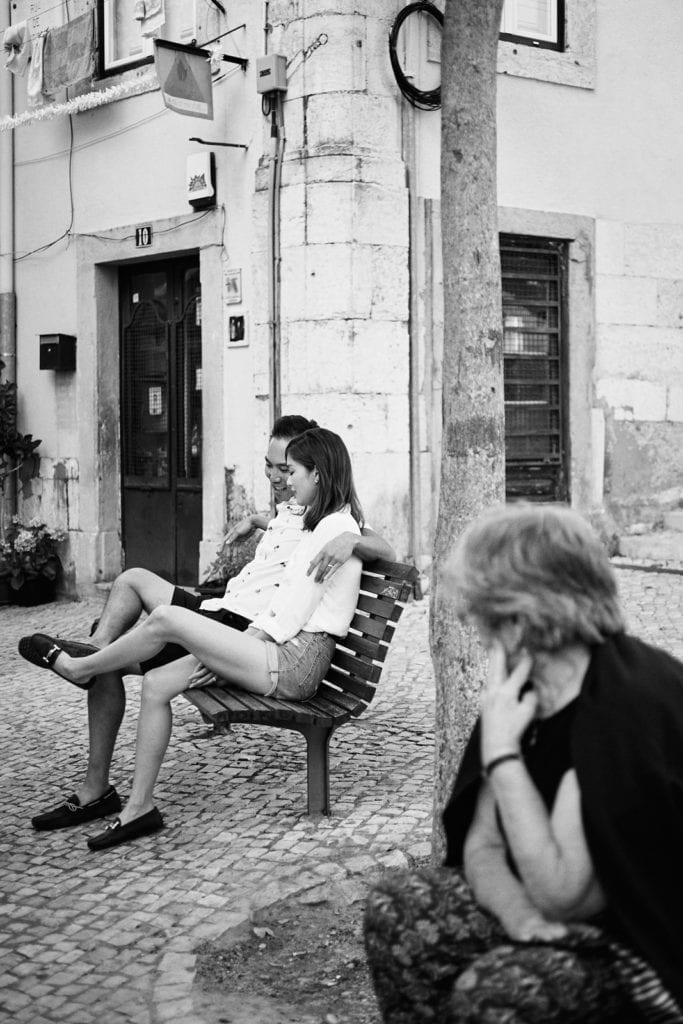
(16, 43)
(151, 14)
(69, 55)
(36, 95)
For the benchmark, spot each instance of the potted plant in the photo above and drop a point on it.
(29, 550)
(16, 451)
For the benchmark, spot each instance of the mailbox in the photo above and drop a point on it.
(57, 352)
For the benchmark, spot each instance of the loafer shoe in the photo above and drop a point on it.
(43, 650)
(72, 812)
(116, 833)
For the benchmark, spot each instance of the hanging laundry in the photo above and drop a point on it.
(16, 43)
(151, 15)
(70, 53)
(36, 95)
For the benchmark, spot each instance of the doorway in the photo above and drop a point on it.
(161, 417)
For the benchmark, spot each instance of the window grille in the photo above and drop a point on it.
(533, 277)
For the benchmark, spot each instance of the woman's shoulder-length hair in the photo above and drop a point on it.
(323, 450)
(541, 566)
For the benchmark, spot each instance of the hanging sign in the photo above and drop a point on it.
(184, 74)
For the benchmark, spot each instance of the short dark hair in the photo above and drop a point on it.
(325, 451)
(289, 426)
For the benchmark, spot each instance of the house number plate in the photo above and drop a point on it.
(143, 236)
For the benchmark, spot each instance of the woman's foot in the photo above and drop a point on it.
(61, 656)
(121, 831)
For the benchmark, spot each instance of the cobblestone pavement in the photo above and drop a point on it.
(110, 937)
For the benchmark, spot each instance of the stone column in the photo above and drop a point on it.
(344, 244)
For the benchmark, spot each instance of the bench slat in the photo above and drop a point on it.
(368, 648)
(351, 684)
(356, 666)
(377, 607)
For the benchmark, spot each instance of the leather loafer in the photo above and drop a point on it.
(72, 812)
(116, 833)
(43, 650)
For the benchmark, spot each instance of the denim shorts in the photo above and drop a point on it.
(298, 666)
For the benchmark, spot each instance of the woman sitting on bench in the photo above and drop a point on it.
(285, 653)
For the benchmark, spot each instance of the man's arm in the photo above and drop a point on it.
(369, 546)
(255, 521)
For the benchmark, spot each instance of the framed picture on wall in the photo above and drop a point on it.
(233, 287)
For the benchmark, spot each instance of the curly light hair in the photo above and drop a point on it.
(541, 567)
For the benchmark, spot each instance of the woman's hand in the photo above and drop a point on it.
(506, 711)
(532, 926)
(201, 676)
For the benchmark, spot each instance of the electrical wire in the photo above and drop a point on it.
(423, 99)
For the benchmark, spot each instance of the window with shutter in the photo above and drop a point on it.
(534, 300)
(534, 23)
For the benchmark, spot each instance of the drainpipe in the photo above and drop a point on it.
(8, 331)
(410, 161)
(277, 132)
(7, 297)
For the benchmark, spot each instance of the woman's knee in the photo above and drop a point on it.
(151, 692)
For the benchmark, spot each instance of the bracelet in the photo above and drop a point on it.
(492, 765)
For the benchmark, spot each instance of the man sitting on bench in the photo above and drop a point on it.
(247, 595)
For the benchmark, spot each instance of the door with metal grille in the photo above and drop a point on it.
(161, 403)
(534, 302)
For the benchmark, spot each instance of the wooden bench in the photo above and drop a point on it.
(347, 690)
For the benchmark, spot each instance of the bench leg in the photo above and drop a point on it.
(318, 768)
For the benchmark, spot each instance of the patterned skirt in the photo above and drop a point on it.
(437, 958)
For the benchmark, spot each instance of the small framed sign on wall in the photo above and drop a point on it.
(233, 287)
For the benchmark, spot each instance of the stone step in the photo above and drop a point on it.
(673, 520)
(656, 546)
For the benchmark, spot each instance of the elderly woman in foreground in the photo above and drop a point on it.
(561, 899)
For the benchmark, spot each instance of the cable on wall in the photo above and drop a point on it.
(423, 99)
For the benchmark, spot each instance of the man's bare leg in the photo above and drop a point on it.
(134, 591)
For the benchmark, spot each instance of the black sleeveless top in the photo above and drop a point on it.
(547, 756)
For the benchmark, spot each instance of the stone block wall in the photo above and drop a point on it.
(639, 366)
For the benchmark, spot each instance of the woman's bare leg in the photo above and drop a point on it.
(232, 655)
(155, 722)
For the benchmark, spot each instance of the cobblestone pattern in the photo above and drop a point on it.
(87, 937)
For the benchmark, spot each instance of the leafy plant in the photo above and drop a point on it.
(29, 550)
(16, 449)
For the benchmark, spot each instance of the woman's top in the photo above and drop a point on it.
(302, 604)
(251, 591)
(626, 745)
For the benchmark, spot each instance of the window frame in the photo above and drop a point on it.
(105, 68)
(559, 44)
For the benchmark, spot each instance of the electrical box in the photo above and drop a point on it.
(57, 352)
(201, 180)
(271, 73)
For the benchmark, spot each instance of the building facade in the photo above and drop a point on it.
(313, 283)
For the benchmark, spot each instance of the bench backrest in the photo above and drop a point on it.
(385, 588)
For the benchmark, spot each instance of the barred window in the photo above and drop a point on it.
(534, 348)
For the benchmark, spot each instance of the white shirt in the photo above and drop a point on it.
(252, 590)
(302, 604)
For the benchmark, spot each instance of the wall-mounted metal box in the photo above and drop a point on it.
(57, 352)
